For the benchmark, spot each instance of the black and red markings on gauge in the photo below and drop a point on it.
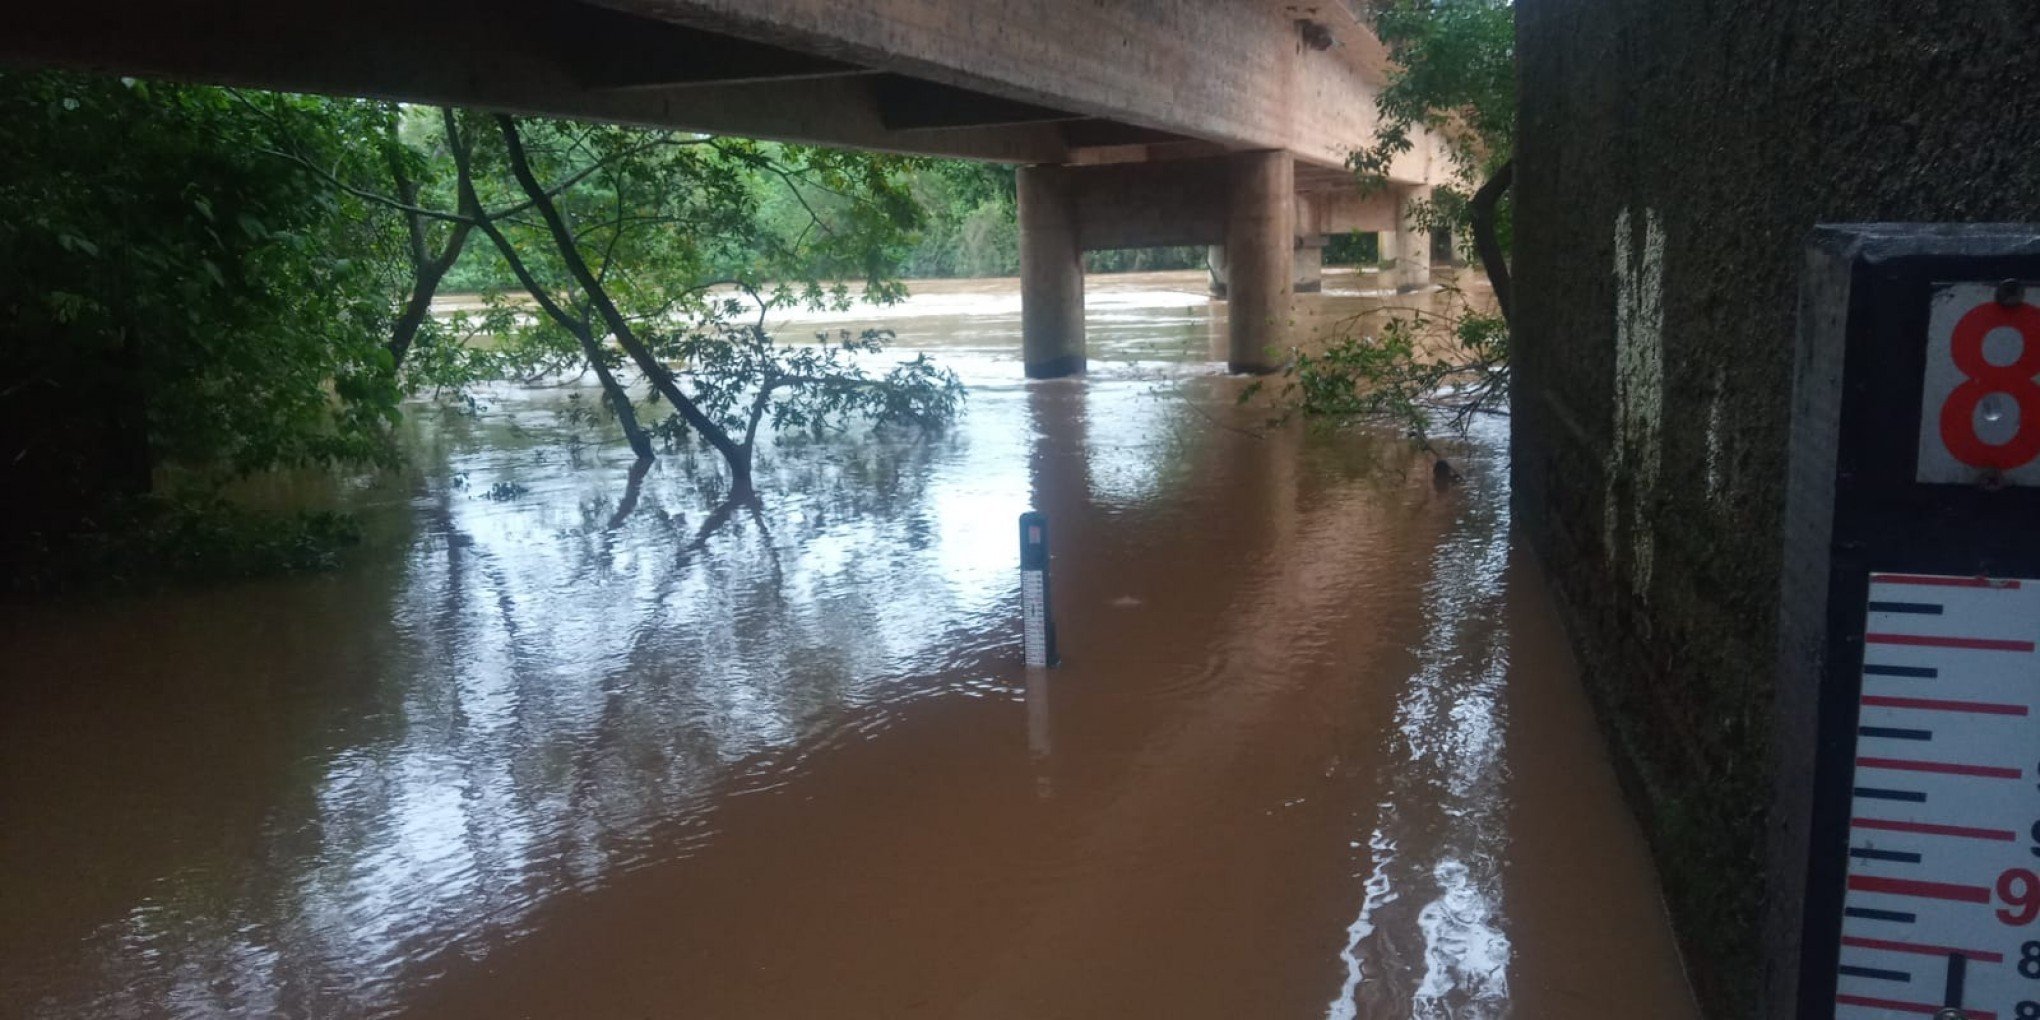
(1919, 746)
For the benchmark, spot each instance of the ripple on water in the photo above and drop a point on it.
(526, 758)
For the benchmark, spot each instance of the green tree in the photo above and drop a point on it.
(630, 243)
(174, 296)
(626, 265)
(1453, 76)
(971, 226)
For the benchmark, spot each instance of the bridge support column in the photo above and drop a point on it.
(1214, 263)
(1310, 265)
(1411, 246)
(1259, 242)
(1051, 274)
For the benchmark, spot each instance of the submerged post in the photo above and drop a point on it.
(1038, 625)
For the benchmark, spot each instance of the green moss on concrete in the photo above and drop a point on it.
(1741, 124)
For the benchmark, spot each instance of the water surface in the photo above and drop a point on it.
(1316, 748)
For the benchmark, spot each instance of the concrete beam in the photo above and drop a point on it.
(535, 57)
(1185, 202)
(1151, 205)
(606, 49)
(1345, 210)
(1095, 133)
(910, 104)
(1231, 71)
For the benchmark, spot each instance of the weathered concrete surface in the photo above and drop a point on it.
(1178, 202)
(1233, 71)
(1309, 259)
(1009, 80)
(1344, 209)
(1246, 205)
(1259, 240)
(1407, 243)
(548, 57)
(1157, 204)
(1673, 158)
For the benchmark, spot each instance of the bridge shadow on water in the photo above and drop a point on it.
(557, 747)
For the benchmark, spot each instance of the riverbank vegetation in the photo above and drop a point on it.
(1429, 372)
(200, 284)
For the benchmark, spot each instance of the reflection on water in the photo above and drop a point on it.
(1434, 864)
(534, 757)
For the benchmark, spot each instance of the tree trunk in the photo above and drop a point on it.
(738, 457)
(619, 398)
(1482, 212)
(424, 286)
(426, 269)
(619, 401)
(741, 490)
(612, 390)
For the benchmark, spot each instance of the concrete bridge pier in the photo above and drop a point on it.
(1267, 248)
(1051, 274)
(1309, 260)
(1409, 244)
(1259, 241)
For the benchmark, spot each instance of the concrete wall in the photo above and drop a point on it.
(1673, 156)
(1025, 81)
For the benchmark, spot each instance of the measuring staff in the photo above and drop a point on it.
(1910, 622)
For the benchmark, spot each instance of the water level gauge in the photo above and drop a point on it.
(1907, 708)
(1943, 889)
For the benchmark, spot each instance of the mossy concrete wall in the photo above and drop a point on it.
(1673, 156)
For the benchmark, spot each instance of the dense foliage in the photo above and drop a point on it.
(199, 283)
(1455, 76)
(196, 537)
(968, 226)
(1430, 372)
(170, 292)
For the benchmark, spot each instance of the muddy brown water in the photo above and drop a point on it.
(1316, 748)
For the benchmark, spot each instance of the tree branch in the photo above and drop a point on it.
(737, 456)
(619, 400)
(1482, 212)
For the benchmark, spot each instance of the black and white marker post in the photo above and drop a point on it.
(1035, 619)
(1907, 807)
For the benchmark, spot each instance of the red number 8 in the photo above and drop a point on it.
(1958, 415)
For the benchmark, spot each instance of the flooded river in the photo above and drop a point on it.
(1316, 748)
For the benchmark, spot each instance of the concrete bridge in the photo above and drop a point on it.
(1218, 122)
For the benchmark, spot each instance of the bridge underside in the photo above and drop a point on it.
(1219, 122)
(1265, 215)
